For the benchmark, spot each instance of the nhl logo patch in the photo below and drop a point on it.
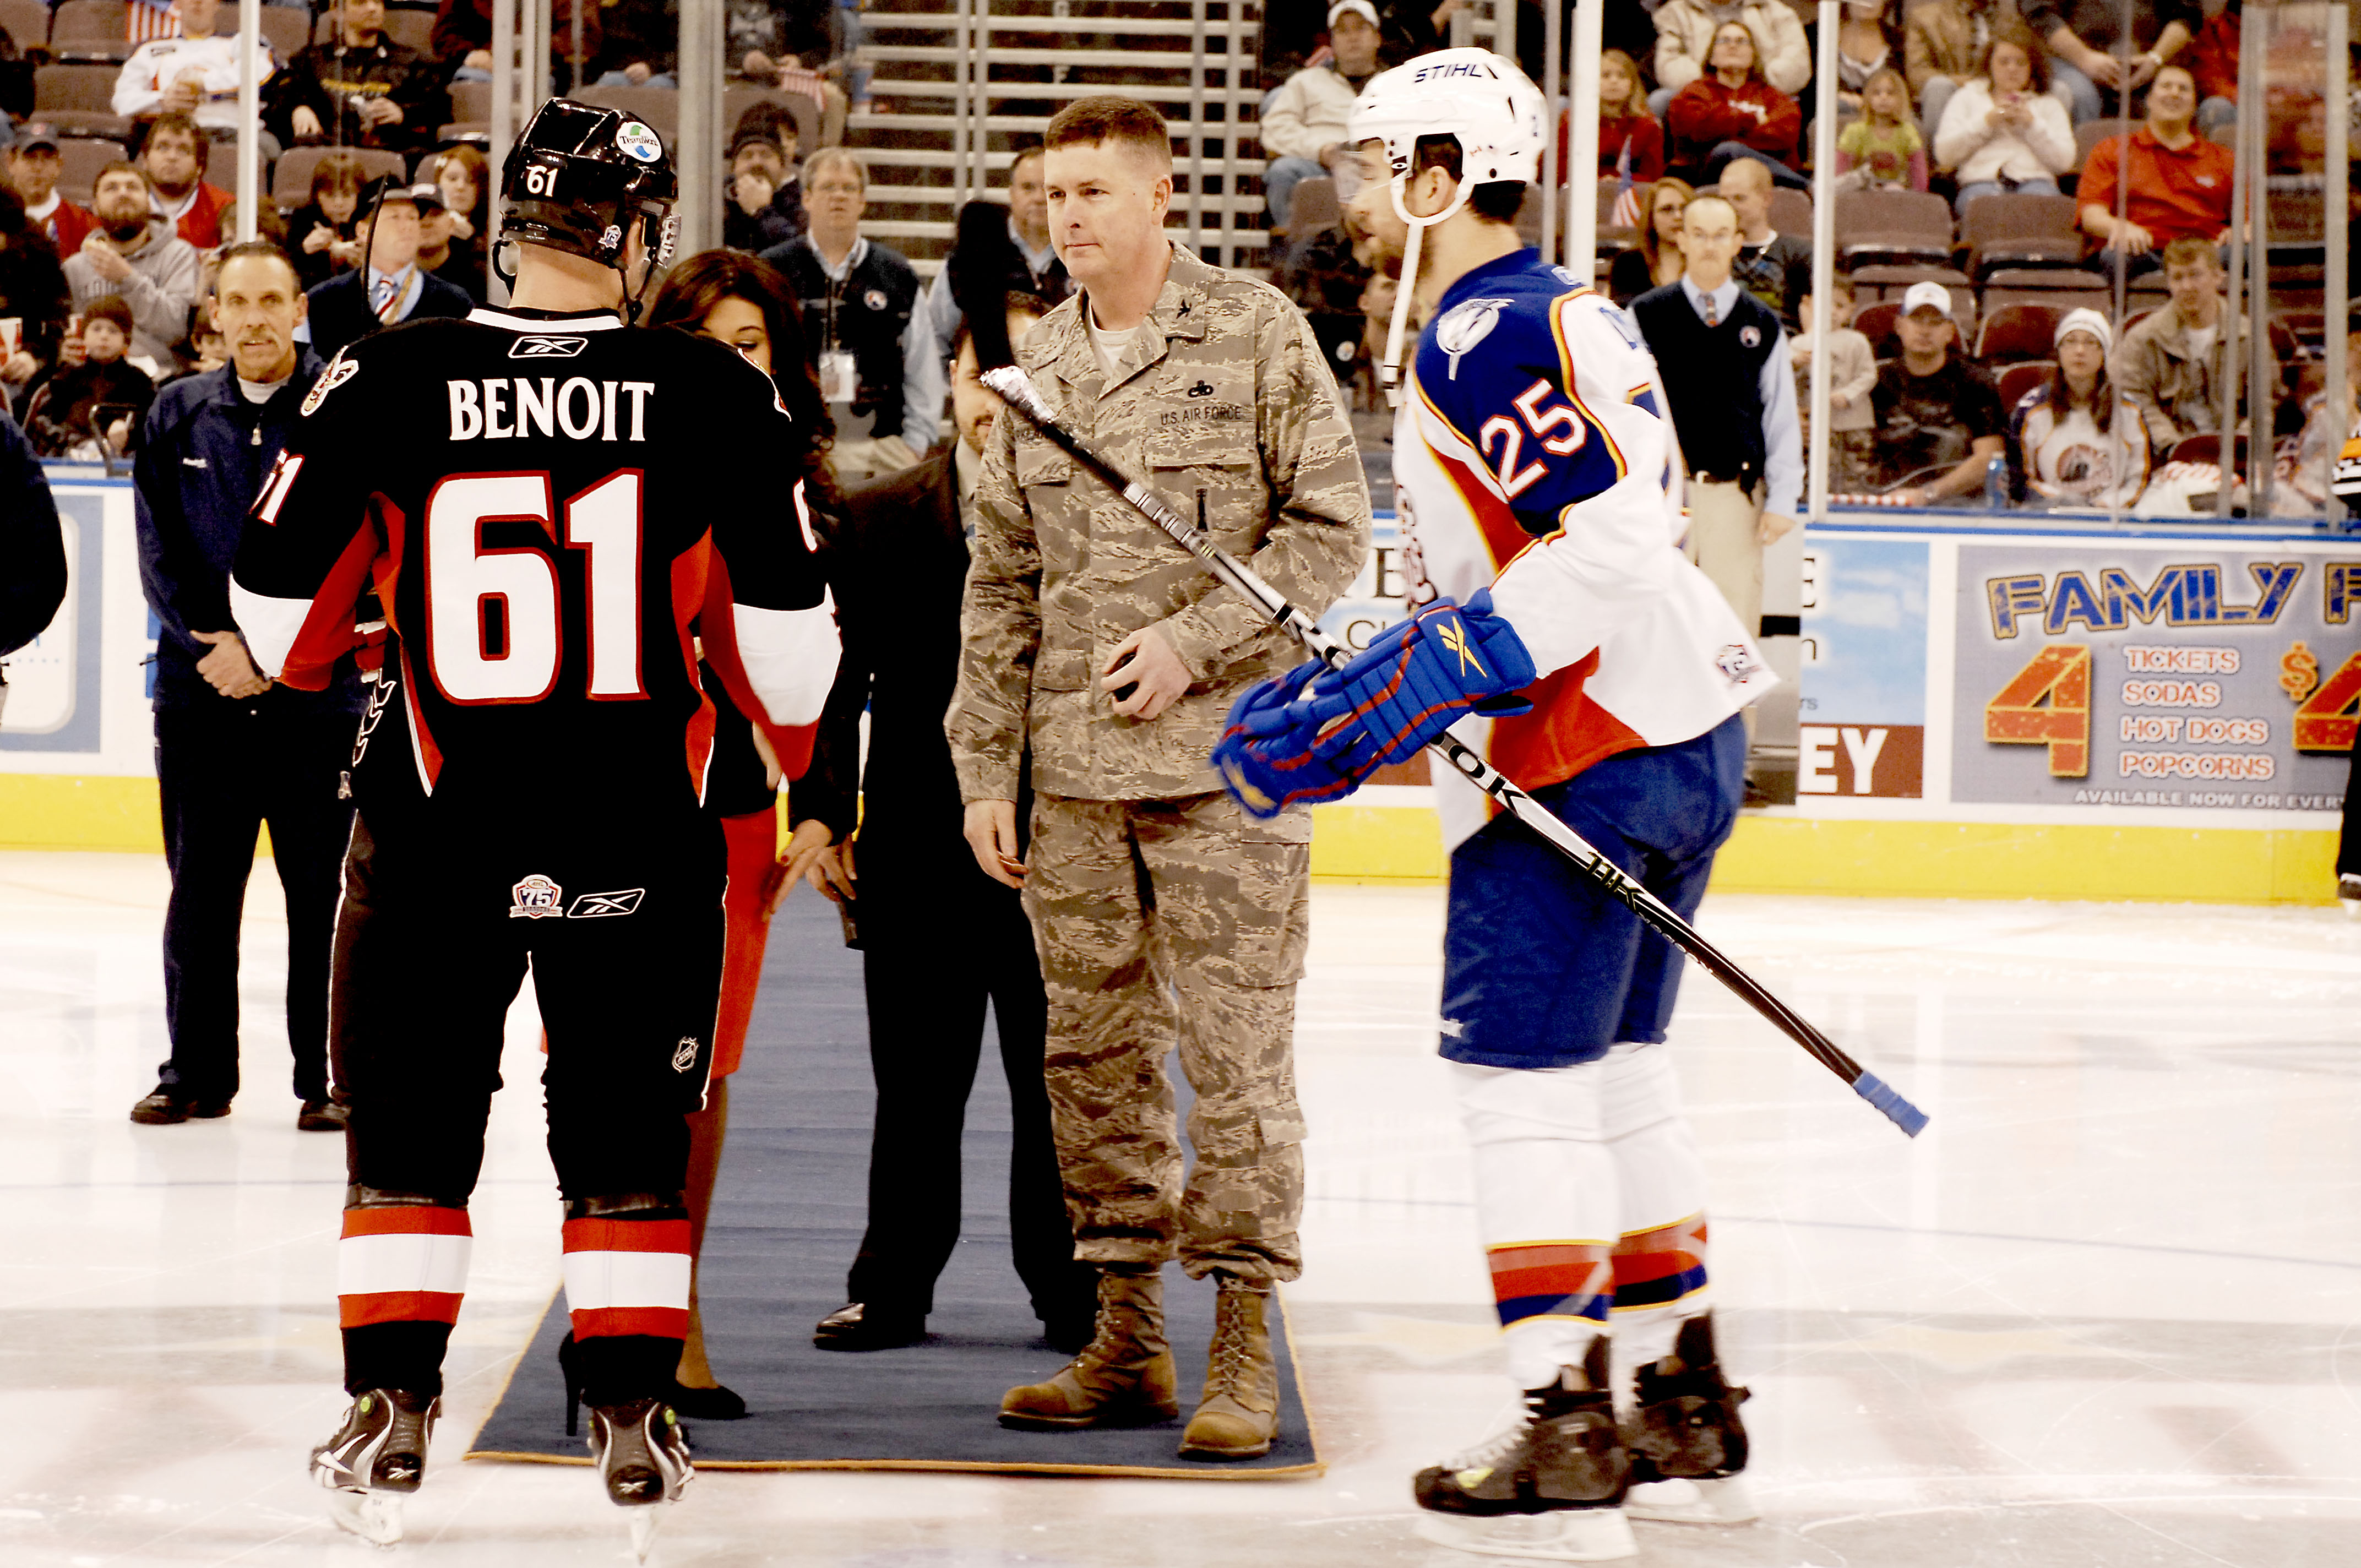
(336, 375)
(636, 140)
(1751, 336)
(537, 898)
(684, 1054)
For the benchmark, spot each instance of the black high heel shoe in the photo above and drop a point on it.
(714, 1404)
(572, 1373)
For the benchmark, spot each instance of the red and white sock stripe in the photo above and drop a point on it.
(402, 1265)
(627, 1277)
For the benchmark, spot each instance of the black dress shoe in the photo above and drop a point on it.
(163, 1108)
(857, 1326)
(714, 1404)
(322, 1116)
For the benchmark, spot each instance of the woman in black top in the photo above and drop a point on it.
(1656, 260)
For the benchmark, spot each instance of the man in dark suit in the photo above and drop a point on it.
(345, 307)
(935, 946)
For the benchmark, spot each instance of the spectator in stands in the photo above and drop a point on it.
(1868, 41)
(1413, 27)
(390, 286)
(1630, 139)
(997, 251)
(1657, 259)
(1689, 31)
(2212, 59)
(459, 175)
(2325, 475)
(1882, 151)
(359, 89)
(2096, 61)
(764, 205)
(439, 254)
(174, 158)
(1774, 268)
(34, 167)
(2177, 183)
(33, 289)
(1725, 370)
(1304, 126)
(1328, 283)
(642, 43)
(1945, 42)
(860, 301)
(2076, 439)
(463, 35)
(2172, 365)
(134, 253)
(324, 228)
(2001, 132)
(1731, 112)
(1933, 409)
(195, 75)
(776, 45)
(1852, 372)
(95, 393)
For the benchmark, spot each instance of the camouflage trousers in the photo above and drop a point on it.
(1163, 921)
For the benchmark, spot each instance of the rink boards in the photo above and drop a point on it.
(2056, 712)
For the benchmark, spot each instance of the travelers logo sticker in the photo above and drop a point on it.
(537, 898)
(601, 905)
(337, 374)
(684, 1054)
(637, 141)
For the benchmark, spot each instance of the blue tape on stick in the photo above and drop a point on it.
(1898, 1110)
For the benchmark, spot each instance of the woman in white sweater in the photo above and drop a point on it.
(2001, 132)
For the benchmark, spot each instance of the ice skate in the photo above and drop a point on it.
(643, 1457)
(1687, 1444)
(1550, 1486)
(375, 1459)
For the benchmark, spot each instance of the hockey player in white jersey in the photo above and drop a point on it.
(1558, 630)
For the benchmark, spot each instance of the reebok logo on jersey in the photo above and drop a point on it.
(500, 407)
(537, 898)
(547, 347)
(599, 906)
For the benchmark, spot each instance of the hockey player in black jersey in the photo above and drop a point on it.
(541, 500)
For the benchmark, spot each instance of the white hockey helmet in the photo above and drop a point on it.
(1477, 96)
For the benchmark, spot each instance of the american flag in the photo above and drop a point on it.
(146, 20)
(1627, 195)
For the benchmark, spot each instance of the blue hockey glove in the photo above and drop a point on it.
(1268, 755)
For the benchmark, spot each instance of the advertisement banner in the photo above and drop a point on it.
(2119, 676)
(1863, 729)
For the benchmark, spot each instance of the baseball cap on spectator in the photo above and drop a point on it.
(2084, 320)
(1926, 297)
(1364, 9)
(426, 196)
(33, 133)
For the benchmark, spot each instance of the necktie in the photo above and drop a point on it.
(387, 297)
(1712, 316)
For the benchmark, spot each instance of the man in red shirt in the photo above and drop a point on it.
(174, 158)
(2179, 182)
(33, 169)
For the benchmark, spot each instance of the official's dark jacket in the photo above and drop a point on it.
(340, 312)
(866, 316)
(1713, 375)
(32, 546)
(203, 455)
(898, 568)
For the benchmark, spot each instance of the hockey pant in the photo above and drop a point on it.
(1591, 1200)
(620, 925)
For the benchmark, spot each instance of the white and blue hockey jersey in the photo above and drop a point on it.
(1532, 455)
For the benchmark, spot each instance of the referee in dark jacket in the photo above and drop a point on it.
(937, 945)
(234, 750)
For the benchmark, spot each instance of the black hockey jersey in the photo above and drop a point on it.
(547, 507)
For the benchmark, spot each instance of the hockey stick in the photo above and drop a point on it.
(1019, 392)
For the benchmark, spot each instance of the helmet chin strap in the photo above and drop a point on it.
(1389, 367)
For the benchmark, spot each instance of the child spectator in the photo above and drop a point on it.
(322, 228)
(1626, 128)
(2076, 439)
(460, 175)
(1658, 260)
(1853, 371)
(2001, 132)
(1731, 112)
(95, 390)
(1882, 151)
(1944, 44)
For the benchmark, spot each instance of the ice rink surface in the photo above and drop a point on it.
(2107, 1313)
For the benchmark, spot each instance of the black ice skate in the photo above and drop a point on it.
(1687, 1444)
(377, 1458)
(1550, 1486)
(642, 1456)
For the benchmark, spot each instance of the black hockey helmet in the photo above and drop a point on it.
(581, 176)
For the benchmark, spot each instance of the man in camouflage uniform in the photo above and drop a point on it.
(1161, 909)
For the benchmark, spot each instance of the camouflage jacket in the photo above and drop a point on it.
(1235, 421)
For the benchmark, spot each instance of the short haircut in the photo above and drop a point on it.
(1023, 156)
(109, 308)
(1737, 165)
(2188, 249)
(120, 166)
(1721, 202)
(2174, 65)
(1497, 199)
(1127, 122)
(1015, 303)
(828, 157)
(259, 249)
(178, 124)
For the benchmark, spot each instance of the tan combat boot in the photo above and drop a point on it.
(1124, 1376)
(1240, 1410)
